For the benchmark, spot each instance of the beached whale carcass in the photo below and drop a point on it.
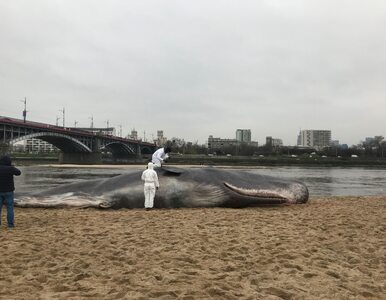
(193, 187)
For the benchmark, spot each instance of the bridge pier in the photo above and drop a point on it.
(80, 158)
(138, 152)
(4, 148)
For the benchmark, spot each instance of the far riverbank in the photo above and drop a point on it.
(178, 159)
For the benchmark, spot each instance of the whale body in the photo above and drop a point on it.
(194, 187)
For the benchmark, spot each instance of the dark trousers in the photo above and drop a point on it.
(6, 198)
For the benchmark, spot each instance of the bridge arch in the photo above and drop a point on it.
(146, 150)
(65, 143)
(120, 149)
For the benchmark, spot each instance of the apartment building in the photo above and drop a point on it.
(243, 135)
(317, 139)
(218, 143)
(34, 146)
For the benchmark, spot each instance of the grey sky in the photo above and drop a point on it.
(198, 68)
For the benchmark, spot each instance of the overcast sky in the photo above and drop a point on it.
(198, 68)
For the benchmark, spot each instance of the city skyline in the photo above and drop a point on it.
(322, 137)
(195, 69)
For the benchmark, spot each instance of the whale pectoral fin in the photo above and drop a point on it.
(265, 194)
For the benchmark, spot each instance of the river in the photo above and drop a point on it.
(325, 181)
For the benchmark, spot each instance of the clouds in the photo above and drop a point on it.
(195, 68)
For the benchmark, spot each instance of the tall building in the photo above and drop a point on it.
(317, 139)
(161, 140)
(243, 135)
(299, 140)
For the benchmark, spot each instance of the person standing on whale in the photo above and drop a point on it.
(160, 155)
(151, 185)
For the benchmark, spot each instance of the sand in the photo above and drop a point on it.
(330, 248)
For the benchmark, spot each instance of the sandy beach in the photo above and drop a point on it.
(329, 248)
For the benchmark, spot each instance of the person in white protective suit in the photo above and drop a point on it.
(151, 185)
(160, 155)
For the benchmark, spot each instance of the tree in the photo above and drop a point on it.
(372, 146)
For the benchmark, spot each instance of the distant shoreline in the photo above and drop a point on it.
(234, 161)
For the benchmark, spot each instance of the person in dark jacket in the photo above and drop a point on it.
(7, 186)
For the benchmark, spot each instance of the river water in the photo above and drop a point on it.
(324, 181)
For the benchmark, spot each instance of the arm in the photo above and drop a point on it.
(17, 172)
(159, 155)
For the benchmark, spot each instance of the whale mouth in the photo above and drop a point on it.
(259, 193)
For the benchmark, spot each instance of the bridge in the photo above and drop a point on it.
(76, 145)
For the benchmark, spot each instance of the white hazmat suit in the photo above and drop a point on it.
(151, 184)
(159, 156)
